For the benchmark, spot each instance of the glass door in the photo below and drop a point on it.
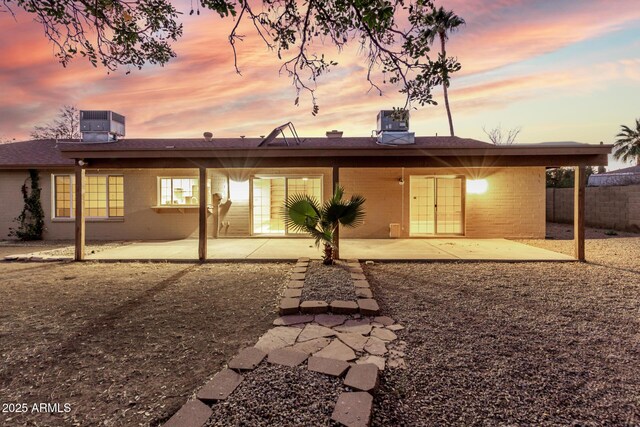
(308, 186)
(422, 206)
(435, 206)
(269, 195)
(268, 199)
(449, 206)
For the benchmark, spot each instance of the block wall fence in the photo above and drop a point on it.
(617, 208)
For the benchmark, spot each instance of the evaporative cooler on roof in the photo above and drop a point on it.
(393, 128)
(101, 126)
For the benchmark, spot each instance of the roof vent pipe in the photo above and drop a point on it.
(334, 133)
(207, 136)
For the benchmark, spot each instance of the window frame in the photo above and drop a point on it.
(286, 192)
(72, 198)
(174, 205)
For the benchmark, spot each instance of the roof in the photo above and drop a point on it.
(252, 143)
(38, 153)
(428, 151)
(633, 170)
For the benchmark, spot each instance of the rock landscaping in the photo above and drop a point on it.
(328, 283)
(315, 288)
(314, 368)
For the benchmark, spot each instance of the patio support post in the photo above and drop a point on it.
(202, 228)
(578, 211)
(79, 208)
(336, 235)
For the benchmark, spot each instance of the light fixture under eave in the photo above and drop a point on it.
(238, 190)
(477, 186)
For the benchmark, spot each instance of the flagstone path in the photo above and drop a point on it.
(353, 347)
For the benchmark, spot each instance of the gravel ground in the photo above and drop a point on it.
(59, 249)
(124, 344)
(620, 250)
(328, 283)
(12, 247)
(515, 344)
(274, 395)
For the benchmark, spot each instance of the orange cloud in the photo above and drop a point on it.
(200, 90)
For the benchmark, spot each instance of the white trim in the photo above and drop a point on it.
(72, 216)
(159, 179)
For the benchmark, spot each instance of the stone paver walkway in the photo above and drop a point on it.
(354, 347)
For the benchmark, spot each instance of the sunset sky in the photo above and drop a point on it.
(563, 70)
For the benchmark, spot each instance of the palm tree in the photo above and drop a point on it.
(627, 146)
(305, 214)
(441, 22)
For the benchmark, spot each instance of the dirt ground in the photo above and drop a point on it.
(516, 344)
(124, 344)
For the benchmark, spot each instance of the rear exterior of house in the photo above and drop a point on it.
(167, 189)
(162, 204)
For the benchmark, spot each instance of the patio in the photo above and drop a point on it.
(363, 249)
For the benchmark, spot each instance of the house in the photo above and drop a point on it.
(416, 187)
(626, 176)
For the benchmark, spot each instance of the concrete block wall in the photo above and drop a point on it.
(616, 207)
(512, 207)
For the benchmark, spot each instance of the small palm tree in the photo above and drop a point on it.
(627, 146)
(305, 214)
(441, 22)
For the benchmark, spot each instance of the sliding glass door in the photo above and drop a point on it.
(436, 206)
(269, 195)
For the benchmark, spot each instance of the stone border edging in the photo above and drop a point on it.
(326, 342)
(291, 302)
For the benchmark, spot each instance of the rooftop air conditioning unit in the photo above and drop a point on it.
(101, 126)
(393, 128)
(390, 122)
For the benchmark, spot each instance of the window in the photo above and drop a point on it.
(178, 191)
(63, 196)
(104, 196)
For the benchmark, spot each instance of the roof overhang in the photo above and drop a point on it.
(517, 156)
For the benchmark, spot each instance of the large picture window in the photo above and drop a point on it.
(104, 196)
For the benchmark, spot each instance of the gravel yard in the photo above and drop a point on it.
(486, 343)
(11, 247)
(54, 248)
(619, 250)
(124, 344)
(275, 395)
(328, 283)
(515, 344)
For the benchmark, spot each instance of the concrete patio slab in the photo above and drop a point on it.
(452, 249)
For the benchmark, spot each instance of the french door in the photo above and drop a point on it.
(269, 195)
(436, 206)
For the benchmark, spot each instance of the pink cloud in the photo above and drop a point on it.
(200, 90)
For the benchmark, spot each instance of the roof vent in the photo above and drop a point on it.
(334, 133)
(101, 126)
(208, 136)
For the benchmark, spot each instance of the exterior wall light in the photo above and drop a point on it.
(239, 190)
(477, 186)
